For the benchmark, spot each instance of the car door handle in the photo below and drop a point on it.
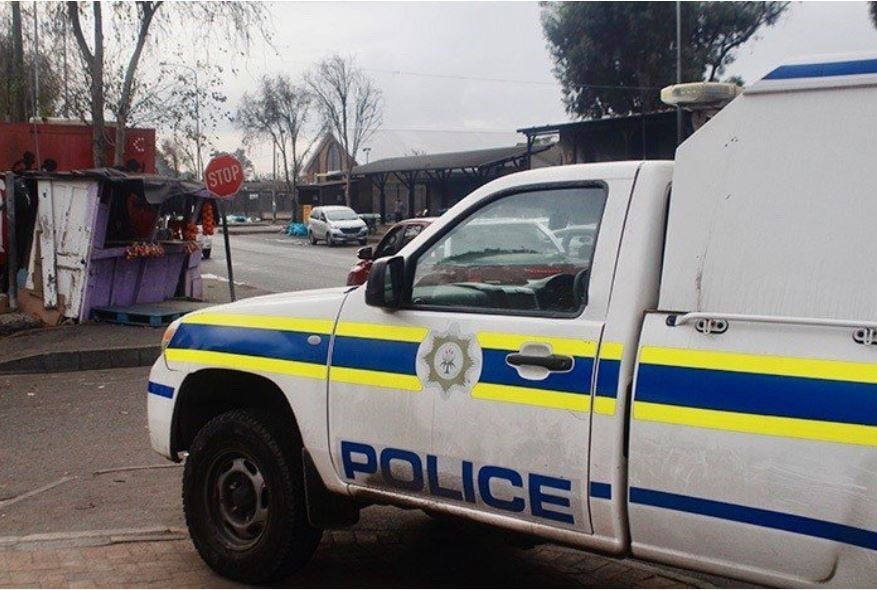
(552, 362)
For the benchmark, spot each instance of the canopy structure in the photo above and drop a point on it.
(154, 188)
(475, 167)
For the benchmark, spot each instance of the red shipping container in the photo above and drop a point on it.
(69, 146)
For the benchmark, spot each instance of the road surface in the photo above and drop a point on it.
(276, 263)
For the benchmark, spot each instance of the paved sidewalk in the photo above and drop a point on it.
(344, 558)
(97, 345)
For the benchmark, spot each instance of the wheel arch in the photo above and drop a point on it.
(208, 393)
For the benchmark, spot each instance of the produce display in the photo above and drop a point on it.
(208, 218)
(143, 250)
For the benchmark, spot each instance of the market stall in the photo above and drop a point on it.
(106, 238)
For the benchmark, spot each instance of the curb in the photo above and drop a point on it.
(91, 538)
(246, 232)
(83, 360)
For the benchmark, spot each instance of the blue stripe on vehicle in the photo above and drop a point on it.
(607, 378)
(159, 389)
(756, 516)
(497, 371)
(375, 355)
(601, 490)
(755, 393)
(824, 70)
(278, 344)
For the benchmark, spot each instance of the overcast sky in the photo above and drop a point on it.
(466, 75)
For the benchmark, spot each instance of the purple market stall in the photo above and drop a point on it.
(108, 239)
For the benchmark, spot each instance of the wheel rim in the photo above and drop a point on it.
(237, 498)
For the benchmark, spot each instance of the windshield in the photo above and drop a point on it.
(341, 215)
(489, 240)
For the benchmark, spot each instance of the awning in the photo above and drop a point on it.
(155, 189)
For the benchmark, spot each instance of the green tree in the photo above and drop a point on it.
(613, 57)
(18, 59)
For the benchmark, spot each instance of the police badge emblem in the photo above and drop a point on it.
(449, 360)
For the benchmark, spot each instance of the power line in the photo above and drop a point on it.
(508, 80)
(415, 130)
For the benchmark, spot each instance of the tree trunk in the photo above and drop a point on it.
(16, 81)
(148, 11)
(98, 126)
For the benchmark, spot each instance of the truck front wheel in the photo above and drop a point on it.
(243, 495)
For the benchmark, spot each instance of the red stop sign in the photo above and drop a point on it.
(224, 176)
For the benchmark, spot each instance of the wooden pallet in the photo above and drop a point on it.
(156, 315)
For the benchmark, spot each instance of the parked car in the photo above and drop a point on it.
(393, 241)
(336, 225)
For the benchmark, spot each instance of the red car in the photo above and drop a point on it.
(393, 241)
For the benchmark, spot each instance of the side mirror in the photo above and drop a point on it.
(365, 253)
(384, 287)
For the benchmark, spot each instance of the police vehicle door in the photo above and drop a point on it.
(478, 391)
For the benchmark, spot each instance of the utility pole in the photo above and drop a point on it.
(678, 68)
(36, 69)
(274, 182)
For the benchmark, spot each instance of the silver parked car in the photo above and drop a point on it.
(336, 225)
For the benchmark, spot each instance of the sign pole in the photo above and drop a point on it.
(224, 177)
(227, 251)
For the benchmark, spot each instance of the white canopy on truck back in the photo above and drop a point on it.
(775, 199)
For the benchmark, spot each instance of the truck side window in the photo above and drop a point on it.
(524, 252)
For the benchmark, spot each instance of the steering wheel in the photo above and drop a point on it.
(556, 293)
(580, 287)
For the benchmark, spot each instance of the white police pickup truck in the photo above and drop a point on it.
(689, 378)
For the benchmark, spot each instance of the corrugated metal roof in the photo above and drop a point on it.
(446, 161)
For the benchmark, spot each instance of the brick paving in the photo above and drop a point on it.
(434, 554)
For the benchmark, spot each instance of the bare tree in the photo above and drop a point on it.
(133, 24)
(280, 112)
(94, 64)
(350, 104)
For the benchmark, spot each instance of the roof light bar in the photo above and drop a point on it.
(700, 94)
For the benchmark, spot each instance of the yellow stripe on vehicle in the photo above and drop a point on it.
(375, 379)
(611, 351)
(233, 320)
(763, 364)
(514, 342)
(604, 405)
(245, 363)
(382, 332)
(532, 397)
(854, 434)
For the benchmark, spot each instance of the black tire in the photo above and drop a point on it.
(205, 254)
(363, 242)
(330, 241)
(312, 238)
(259, 531)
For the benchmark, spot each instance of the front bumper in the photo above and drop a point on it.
(162, 393)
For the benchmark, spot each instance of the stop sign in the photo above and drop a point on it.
(224, 176)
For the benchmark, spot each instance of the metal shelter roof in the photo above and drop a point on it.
(446, 161)
(594, 123)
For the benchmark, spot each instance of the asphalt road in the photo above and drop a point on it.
(277, 263)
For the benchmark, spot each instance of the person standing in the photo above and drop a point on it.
(397, 210)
